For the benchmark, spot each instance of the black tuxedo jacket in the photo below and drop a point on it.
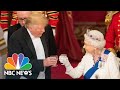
(20, 42)
(12, 29)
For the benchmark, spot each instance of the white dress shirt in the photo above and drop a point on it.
(38, 46)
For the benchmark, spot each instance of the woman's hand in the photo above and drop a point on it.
(64, 59)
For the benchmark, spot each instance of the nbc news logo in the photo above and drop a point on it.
(18, 65)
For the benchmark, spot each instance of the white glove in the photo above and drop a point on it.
(64, 60)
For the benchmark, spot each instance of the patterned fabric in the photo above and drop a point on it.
(4, 19)
(14, 18)
(53, 18)
(3, 48)
(9, 18)
(108, 17)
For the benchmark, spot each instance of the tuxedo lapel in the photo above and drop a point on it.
(29, 41)
(44, 44)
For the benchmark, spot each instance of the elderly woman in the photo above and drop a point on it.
(97, 63)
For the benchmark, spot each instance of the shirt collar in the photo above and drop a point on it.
(33, 37)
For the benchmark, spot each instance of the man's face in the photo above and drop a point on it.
(37, 30)
(22, 15)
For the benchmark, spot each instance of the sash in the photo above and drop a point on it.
(95, 67)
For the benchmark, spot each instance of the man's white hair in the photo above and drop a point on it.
(96, 38)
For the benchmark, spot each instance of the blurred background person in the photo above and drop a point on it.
(21, 16)
(109, 16)
(113, 35)
(3, 53)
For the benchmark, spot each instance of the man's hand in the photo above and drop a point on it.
(50, 61)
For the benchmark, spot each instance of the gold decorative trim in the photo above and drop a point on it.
(2, 42)
(112, 50)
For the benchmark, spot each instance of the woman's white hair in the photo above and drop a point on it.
(96, 38)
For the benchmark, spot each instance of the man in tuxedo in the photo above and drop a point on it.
(35, 41)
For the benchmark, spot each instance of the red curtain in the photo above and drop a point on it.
(65, 38)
